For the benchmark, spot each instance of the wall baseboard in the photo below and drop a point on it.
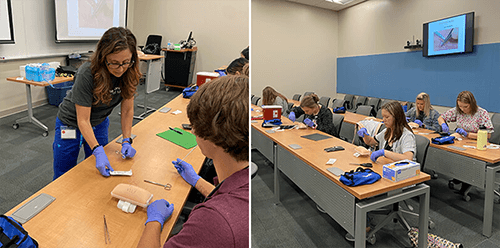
(18, 109)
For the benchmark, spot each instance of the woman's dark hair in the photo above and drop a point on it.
(396, 110)
(114, 40)
(236, 66)
(246, 53)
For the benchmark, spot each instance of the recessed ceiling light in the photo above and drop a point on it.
(343, 2)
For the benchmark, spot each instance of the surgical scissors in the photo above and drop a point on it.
(167, 186)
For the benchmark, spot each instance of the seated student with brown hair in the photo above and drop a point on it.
(271, 97)
(218, 113)
(316, 116)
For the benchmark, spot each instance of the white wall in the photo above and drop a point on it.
(220, 27)
(384, 26)
(294, 48)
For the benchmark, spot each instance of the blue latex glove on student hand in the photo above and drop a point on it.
(159, 211)
(309, 123)
(101, 161)
(445, 128)
(127, 150)
(186, 171)
(419, 123)
(291, 116)
(408, 119)
(362, 132)
(377, 154)
(461, 132)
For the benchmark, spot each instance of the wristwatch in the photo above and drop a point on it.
(129, 140)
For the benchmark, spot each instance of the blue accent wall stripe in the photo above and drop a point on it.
(403, 75)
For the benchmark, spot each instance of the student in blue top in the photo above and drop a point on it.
(423, 114)
(110, 78)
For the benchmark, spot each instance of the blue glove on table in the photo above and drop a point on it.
(362, 132)
(159, 211)
(101, 161)
(462, 132)
(419, 123)
(309, 123)
(186, 171)
(291, 116)
(127, 150)
(377, 154)
(445, 128)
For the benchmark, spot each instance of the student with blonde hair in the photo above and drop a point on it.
(423, 114)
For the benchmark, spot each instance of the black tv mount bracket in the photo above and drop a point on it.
(415, 46)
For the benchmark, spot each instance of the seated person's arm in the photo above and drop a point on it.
(189, 175)
(204, 187)
(369, 140)
(398, 156)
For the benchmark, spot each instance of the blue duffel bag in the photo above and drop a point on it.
(359, 177)
(12, 234)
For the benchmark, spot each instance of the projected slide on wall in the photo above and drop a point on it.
(447, 36)
(6, 27)
(88, 19)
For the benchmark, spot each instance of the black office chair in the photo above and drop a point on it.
(379, 114)
(383, 102)
(365, 110)
(349, 99)
(253, 169)
(255, 100)
(374, 102)
(360, 100)
(153, 45)
(337, 124)
(339, 103)
(307, 93)
(324, 100)
(422, 147)
(495, 136)
(296, 97)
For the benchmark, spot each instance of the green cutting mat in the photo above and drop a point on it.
(186, 140)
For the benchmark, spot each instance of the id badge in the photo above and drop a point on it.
(68, 132)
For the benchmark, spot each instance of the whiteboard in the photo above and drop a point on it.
(6, 28)
(34, 31)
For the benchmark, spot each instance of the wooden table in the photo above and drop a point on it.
(30, 118)
(152, 83)
(307, 168)
(75, 218)
(475, 167)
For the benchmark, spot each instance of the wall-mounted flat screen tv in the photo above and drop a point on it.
(452, 35)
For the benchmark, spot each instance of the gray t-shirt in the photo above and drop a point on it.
(406, 143)
(82, 94)
(281, 102)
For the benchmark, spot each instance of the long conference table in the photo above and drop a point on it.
(467, 164)
(83, 196)
(307, 168)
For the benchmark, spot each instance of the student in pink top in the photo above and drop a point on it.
(469, 118)
(218, 113)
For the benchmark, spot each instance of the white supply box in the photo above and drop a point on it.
(401, 170)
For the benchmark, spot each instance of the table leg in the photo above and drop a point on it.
(360, 228)
(488, 199)
(276, 175)
(423, 220)
(30, 118)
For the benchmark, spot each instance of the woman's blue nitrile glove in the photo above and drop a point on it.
(186, 171)
(408, 119)
(362, 132)
(127, 150)
(462, 132)
(159, 211)
(445, 128)
(310, 123)
(101, 161)
(419, 123)
(377, 154)
(291, 116)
